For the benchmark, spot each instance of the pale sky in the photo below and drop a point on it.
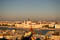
(18, 9)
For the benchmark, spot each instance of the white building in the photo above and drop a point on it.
(19, 25)
(57, 26)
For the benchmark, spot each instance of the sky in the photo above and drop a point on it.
(33, 9)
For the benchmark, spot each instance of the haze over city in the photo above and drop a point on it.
(29, 19)
(33, 9)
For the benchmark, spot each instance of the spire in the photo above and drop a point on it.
(28, 19)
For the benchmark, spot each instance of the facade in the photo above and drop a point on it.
(57, 26)
(29, 24)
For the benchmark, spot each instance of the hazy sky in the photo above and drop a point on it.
(17, 9)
